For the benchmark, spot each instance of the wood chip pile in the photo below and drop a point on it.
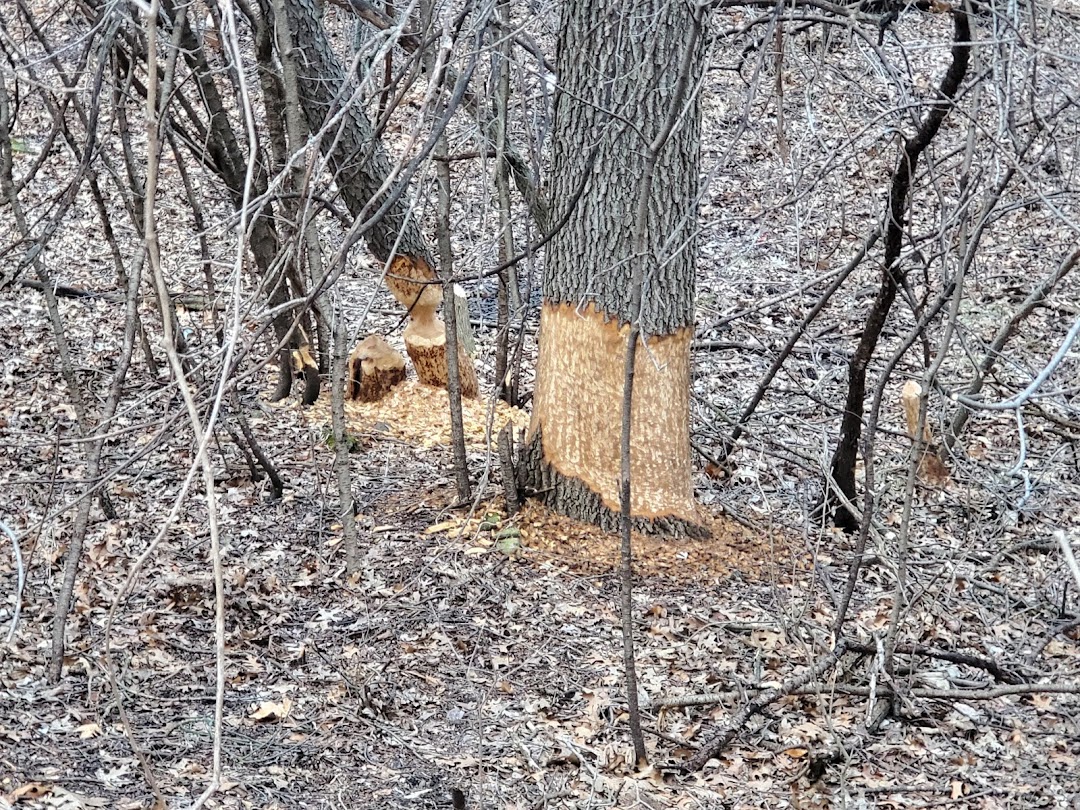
(420, 414)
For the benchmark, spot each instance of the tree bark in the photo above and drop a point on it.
(361, 168)
(357, 158)
(222, 151)
(843, 461)
(618, 65)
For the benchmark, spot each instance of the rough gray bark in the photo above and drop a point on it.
(359, 162)
(618, 67)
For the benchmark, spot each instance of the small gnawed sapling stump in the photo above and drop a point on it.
(931, 468)
(374, 368)
(304, 364)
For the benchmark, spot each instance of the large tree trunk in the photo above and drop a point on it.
(617, 67)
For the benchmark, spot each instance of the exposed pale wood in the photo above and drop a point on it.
(374, 368)
(577, 400)
(425, 341)
(303, 363)
(909, 399)
(402, 278)
(931, 469)
(464, 325)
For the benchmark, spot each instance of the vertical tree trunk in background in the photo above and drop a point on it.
(228, 159)
(617, 67)
(361, 166)
(358, 160)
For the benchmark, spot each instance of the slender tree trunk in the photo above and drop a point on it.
(843, 461)
(226, 155)
(509, 301)
(446, 262)
(618, 65)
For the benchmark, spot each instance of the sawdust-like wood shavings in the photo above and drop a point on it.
(420, 414)
(731, 547)
(547, 536)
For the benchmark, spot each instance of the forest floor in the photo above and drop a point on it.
(481, 653)
(456, 661)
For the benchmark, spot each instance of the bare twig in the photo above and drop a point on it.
(20, 579)
(1037, 296)
(759, 703)
(1065, 542)
(793, 339)
(967, 659)
(989, 693)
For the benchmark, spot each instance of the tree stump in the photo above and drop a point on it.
(303, 363)
(425, 340)
(425, 336)
(932, 469)
(374, 368)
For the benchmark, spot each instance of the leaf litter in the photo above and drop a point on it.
(455, 660)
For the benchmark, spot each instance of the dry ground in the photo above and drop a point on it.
(483, 653)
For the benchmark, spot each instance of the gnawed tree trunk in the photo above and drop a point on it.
(425, 340)
(361, 168)
(624, 59)
(374, 368)
(932, 469)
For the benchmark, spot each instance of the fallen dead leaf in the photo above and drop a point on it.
(270, 710)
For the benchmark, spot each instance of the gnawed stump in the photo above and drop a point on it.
(303, 363)
(425, 341)
(374, 368)
(932, 469)
(409, 279)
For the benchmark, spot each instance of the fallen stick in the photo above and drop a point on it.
(758, 704)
